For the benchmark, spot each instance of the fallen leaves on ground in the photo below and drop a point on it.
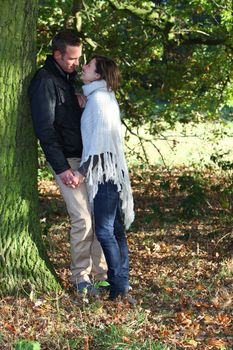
(181, 277)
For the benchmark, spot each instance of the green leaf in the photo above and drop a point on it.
(101, 284)
(171, 36)
(27, 345)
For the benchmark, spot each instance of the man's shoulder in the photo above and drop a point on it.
(42, 79)
(43, 73)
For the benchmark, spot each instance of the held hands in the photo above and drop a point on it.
(80, 177)
(71, 179)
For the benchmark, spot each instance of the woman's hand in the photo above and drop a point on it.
(80, 178)
(82, 100)
(69, 178)
(72, 179)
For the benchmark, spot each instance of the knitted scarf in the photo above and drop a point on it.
(101, 135)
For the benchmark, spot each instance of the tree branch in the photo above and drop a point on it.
(150, 15)
(205, 41)
(143, 139)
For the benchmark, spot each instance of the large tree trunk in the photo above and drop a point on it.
(23, 261)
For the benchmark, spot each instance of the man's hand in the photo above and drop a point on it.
(82, 100)
(70, 179)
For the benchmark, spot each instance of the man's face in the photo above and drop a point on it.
(70, 60)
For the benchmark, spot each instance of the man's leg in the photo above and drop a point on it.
(82, 237)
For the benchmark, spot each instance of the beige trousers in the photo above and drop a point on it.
(87, 259)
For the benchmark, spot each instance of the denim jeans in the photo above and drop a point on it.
(111, 235)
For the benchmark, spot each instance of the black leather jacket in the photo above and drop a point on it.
(56, 114)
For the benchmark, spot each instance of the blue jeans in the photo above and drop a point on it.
(111, 235)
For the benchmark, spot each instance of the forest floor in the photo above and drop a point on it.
(181, 274)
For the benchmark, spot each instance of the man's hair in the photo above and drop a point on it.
(108, 70)
(65, 38)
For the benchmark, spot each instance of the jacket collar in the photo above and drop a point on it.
(52, 66)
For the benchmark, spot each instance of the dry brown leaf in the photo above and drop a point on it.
(200, 287)
(9, 327)
(86, 342)
(125, 339)
(217, 342)
(193, 342)
(225, 319)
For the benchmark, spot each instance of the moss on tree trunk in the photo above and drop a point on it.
(23, 260)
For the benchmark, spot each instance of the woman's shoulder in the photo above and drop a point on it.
(102, 94)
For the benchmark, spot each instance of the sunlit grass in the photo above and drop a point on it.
(186, 145)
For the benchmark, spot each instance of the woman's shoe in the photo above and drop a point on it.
(124, 296)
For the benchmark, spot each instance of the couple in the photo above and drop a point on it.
(85, 151)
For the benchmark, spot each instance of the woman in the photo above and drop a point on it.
(104, 168)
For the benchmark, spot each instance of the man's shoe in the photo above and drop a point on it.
(87, 287)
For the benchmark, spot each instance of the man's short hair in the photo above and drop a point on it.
(65, 38)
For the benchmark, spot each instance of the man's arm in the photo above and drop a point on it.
(42, 98)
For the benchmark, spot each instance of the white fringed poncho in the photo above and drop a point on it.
(101, 135)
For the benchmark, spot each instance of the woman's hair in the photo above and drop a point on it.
(108, 70)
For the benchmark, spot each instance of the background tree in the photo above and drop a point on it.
(175, 56)
(23, 261)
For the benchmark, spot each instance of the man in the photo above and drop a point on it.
(56, 116)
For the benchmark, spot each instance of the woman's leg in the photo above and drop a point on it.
(119, 233)
(105, 209)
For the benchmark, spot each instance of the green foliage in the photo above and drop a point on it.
(195, 199)
(226, 269)
(75, 344)
(101, 284)
(221, 161)
(176, 64)
(27, 345)
(156, 213)
(169, 56)
(44, 173)
(175, 59)
(51, 18)
(120, 337)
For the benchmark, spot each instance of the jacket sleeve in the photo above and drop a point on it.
(42, 97)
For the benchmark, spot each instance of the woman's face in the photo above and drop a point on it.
(88, 72)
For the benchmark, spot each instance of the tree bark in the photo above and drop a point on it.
(23, 260)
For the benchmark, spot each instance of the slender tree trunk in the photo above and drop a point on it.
(23, 261)
(77, 7)
(74, 20)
